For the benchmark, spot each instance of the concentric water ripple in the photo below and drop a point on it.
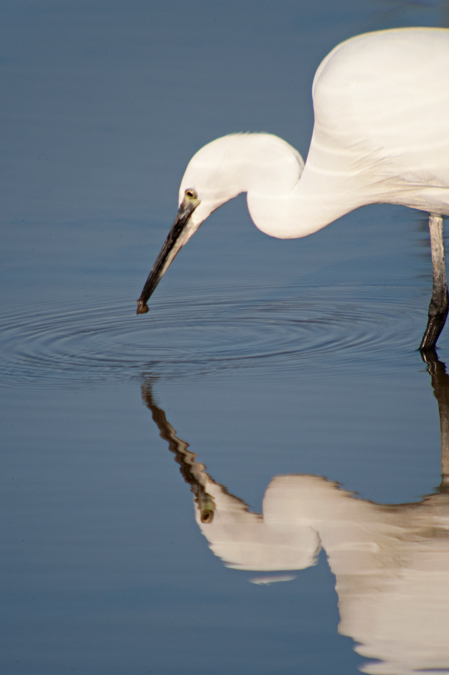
(200, 335)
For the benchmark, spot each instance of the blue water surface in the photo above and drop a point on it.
(269, 358)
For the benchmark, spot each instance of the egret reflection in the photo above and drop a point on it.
(391, 562)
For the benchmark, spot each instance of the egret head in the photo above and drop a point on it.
(207, 184)
(262, 165)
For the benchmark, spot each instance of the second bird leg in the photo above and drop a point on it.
(438, 306)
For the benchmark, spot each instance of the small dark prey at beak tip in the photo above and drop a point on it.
(169, 249)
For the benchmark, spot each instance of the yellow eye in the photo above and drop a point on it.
(191, 194)
(207, 516)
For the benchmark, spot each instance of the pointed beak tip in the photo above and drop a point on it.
(142, 307)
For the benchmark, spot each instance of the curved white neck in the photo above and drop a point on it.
(317, 198)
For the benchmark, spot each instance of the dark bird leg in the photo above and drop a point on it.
(440, 385)
(438, 306)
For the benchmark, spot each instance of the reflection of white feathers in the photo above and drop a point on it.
(392, 574)
(267, 581)
(248, 541)
(391, 563)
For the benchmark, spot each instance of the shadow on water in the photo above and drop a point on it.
(390, 562)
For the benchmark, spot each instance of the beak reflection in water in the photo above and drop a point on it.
(179, 235)
(193, 472)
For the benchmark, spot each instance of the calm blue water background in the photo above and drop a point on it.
(268, 357)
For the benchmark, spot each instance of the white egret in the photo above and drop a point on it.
(381, 135)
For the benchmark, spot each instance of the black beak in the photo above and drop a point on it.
(177, 237)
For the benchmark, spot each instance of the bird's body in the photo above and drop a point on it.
(381, 135)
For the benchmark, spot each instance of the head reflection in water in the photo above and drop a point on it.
(391, 563)
(241, 538)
